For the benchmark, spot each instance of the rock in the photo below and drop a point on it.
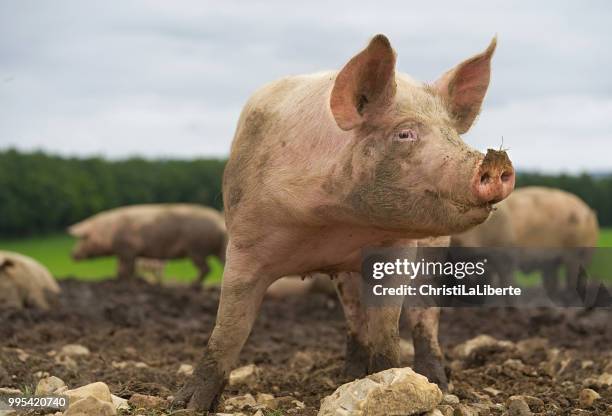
(302, 360)
(143, 401)
(25, 282)
(393, 391)
(67, 362)
(120, 403)
(587, 397)
(479, 343)
(98, 390)
(298, 404)
(491, 391)
(464, 410)
(517, 406)
(605, 379)
(185, 370)
(530, 346)
(446, 410)
(266, 400)
(246, 375)
(9, 391)
(90, 406)
(450, 399)
(49, 385)
(434, 412)
(74, 350)
(531, 401)
(240, 402)
(41, 374)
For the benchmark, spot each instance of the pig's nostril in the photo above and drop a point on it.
(485, 178)
(506, 176)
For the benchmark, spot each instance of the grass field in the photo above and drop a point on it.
(54, 252)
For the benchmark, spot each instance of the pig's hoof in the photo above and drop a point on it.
(433, 369)
(198, 395)
(356, 360)
(381, 362)
(203, 389)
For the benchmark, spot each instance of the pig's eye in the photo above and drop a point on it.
(406, 135)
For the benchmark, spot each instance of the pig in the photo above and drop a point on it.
(326, 164)
(538, 217)
(24, 282)
(153, 231)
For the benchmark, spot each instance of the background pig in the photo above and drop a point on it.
(537, 217)
(159, 231)
(25, 282)
(324, 165)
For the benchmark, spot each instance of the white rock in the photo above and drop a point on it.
(406, 350)
(587, 397)
(98, 390)
(246, 375)
(185, 369)
(605, 379)
(8, 390)
(90, 406)
(266, 400)
(241, 402)
(481, 342)
(434, 412)
(450, 399)
(74, 350)
(393, 391)
(119, 402)
(49, 385)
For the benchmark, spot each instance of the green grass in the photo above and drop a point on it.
(605, 237)
(54, 252)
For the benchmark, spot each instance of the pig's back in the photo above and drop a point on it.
(546, 217)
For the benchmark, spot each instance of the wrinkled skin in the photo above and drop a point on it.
(155, 231)
(324, 165)
(537, 217)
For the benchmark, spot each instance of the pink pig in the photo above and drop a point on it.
(324, 165)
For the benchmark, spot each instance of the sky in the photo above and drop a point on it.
(124, 78)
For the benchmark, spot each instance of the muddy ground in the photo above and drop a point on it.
(297, 343)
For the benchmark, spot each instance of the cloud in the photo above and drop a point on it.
(160, 78)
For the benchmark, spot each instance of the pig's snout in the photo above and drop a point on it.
(494, 178)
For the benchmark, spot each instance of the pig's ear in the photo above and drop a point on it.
(464, 87)
(365, 84)
(5, 264)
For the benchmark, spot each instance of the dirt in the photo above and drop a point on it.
(297, 343)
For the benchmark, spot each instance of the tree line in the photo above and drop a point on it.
(42, 193)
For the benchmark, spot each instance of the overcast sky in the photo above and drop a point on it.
(169, 78)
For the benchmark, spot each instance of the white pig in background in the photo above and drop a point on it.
(538, 217)
(324, 165)
(24, 282)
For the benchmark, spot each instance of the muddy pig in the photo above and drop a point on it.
(324, 165)
(155, 231)
(25, 282)
(538, 217)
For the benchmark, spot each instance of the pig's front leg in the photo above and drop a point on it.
(241, 294)
(428, 358)
(383, 337)
(357, 356)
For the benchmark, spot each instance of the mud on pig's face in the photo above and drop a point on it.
(410, 169)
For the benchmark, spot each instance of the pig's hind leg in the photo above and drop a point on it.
(203, 270)
(127, 267)
(241, 294)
